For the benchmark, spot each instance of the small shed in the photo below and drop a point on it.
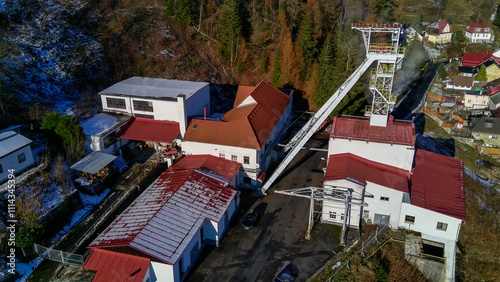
(94, 169)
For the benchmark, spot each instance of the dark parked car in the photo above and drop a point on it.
(250, 219)
(288, 274)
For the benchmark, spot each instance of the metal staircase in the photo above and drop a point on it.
(389, 58)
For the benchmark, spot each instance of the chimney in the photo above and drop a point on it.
(181, 104)
(205, 113)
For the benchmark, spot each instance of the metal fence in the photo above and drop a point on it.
(384, 224)
(59, 256)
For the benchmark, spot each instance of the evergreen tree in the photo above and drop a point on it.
(234, 25)
(185, 12)
(481, 74)
(442, 70)
(307, 43)
(170, 7)
(326, 75)
(276, 77)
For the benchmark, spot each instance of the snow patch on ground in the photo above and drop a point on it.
(432, 52)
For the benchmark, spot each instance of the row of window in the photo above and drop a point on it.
(20, 158)
(440, 225)
(333, 215)
(234, 158)
(117, 103)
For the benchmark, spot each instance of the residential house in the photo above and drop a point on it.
(476, 99)
(486, 129)
(100, 131)
(15, 154)
(479, 32)
(461, 82)
(158, 99)
(162, 233)
(471, 62)
(248, 133)
(439, 32)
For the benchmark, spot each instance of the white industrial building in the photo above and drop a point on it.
(161, 234)
(247, 134)
(383, 178)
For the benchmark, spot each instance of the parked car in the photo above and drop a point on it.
(288, 274)
(250, 219)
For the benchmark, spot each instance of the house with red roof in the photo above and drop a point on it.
(438, 32)
(479, 32)
(247, 134)
(161, 234)
(471, 62)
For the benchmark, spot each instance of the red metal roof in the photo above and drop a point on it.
(476, 59)
(493, 90)
(349, 166)
(481, 25)
(437, 184)
(358, 128)
(113, 266)
(247, 126)
(150, 130)
(438, 26)
(242, 93)
(164, 218)
(376, 25)
(225, 168)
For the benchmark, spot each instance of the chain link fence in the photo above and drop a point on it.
(59, 256)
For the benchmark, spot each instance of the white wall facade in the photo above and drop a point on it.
(161, 272)
(478, 37)
(400, 156)
(383, 201)
(476, 101)
(333, 210)
(11, 161)
(426, 222)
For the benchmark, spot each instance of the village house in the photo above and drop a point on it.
(439, 32)
(161, 234)
(461, 82)
(486, 129)
(479, 32)
(476, 99)
(389, 182)
(15, 153)
(471, 62)
(248, 133)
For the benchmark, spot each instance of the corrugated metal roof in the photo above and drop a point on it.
(150, 130)
(11, 141)
(358, 128)
(225, 168)
(158, 88)
(349, 166)
(246, 126)
(437, 184)
(93, 162)
(113, 266)
(164, 218)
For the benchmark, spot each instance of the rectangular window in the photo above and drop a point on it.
(116, 103)
(366, 213)
(1, 168)
(144, 116)
(247, 180)
(333, 215)
(478, 29)
(246, 160)
(341, 216)
(234, 158)
(487, 29)
(109, 140)
(21, 157)
(409, 219)
(143, 106)
(442, 226)
(222, 155)
(384, 198)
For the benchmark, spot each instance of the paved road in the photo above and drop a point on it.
(257, 254)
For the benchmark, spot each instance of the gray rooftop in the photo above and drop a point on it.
(157, 88)
(11, 141)
(489, 125)
(93, 162)
(101, 124)
(495, 98)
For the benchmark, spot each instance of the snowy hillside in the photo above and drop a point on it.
(49, 58)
